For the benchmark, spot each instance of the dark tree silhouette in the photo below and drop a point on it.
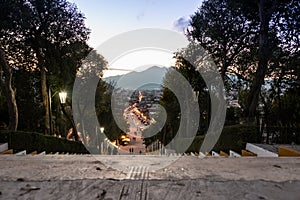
(54, 33)
(6, 85)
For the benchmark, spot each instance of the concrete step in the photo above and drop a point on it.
(208, 154)
(42, 153)
(9, 151)
(234, 154)
(224, 154)
(287, 152)
(248, 153)
(3, 147)
(21, 153)
(215, 154)
(259, 151)
(201, 154)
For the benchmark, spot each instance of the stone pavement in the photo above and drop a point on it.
(147, 177)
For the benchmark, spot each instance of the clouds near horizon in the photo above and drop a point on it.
(181, 24)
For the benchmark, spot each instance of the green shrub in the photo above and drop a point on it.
(236, 137)
(194, 147)
(37, 142)
(232, 137)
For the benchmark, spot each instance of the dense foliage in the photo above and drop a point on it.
(255, 46)
(29, 141)
(44, 45)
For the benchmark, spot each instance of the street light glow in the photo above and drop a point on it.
(102, 129)
(63, 97)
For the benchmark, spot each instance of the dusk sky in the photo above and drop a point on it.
(107, 18)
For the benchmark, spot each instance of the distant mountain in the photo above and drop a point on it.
(150, 78)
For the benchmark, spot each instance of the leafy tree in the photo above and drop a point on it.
(7, 88)
(171, 105)
(27, 84)
(224, 31)
(251, 39)
(87, 106)
(54, 25)
(193, 76)
(55, 33)
(104, 112)
(175, 114)
(13, 53)
(91, 70)
(278, 18)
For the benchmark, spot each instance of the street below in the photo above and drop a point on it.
(134, 134)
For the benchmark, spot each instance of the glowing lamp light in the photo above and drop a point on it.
(63, 97)
(102, 129)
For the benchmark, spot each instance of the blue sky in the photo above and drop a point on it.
(107, 18)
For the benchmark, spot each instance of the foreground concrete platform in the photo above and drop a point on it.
(147, 177)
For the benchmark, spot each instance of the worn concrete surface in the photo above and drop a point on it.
(85, 177)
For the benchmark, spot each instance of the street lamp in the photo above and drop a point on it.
(50, 110)
(102, 129)
(63, 100)
(101, 145)
(63, 97)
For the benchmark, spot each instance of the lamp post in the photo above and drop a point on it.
(63, 97)
(63, 100)
(50, 111)
(101, 145)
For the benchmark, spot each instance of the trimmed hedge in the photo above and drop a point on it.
(236, 137)
(232, 137)
(30, 142)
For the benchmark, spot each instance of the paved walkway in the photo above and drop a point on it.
(85, 177)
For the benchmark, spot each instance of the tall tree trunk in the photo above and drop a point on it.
(223, 70)
(224, 63)
(45, 100)
(6, 85)
(44, 86)
(264, 55)
(278, 93)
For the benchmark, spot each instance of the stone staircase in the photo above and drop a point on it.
(251, 150)
(4, 150)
